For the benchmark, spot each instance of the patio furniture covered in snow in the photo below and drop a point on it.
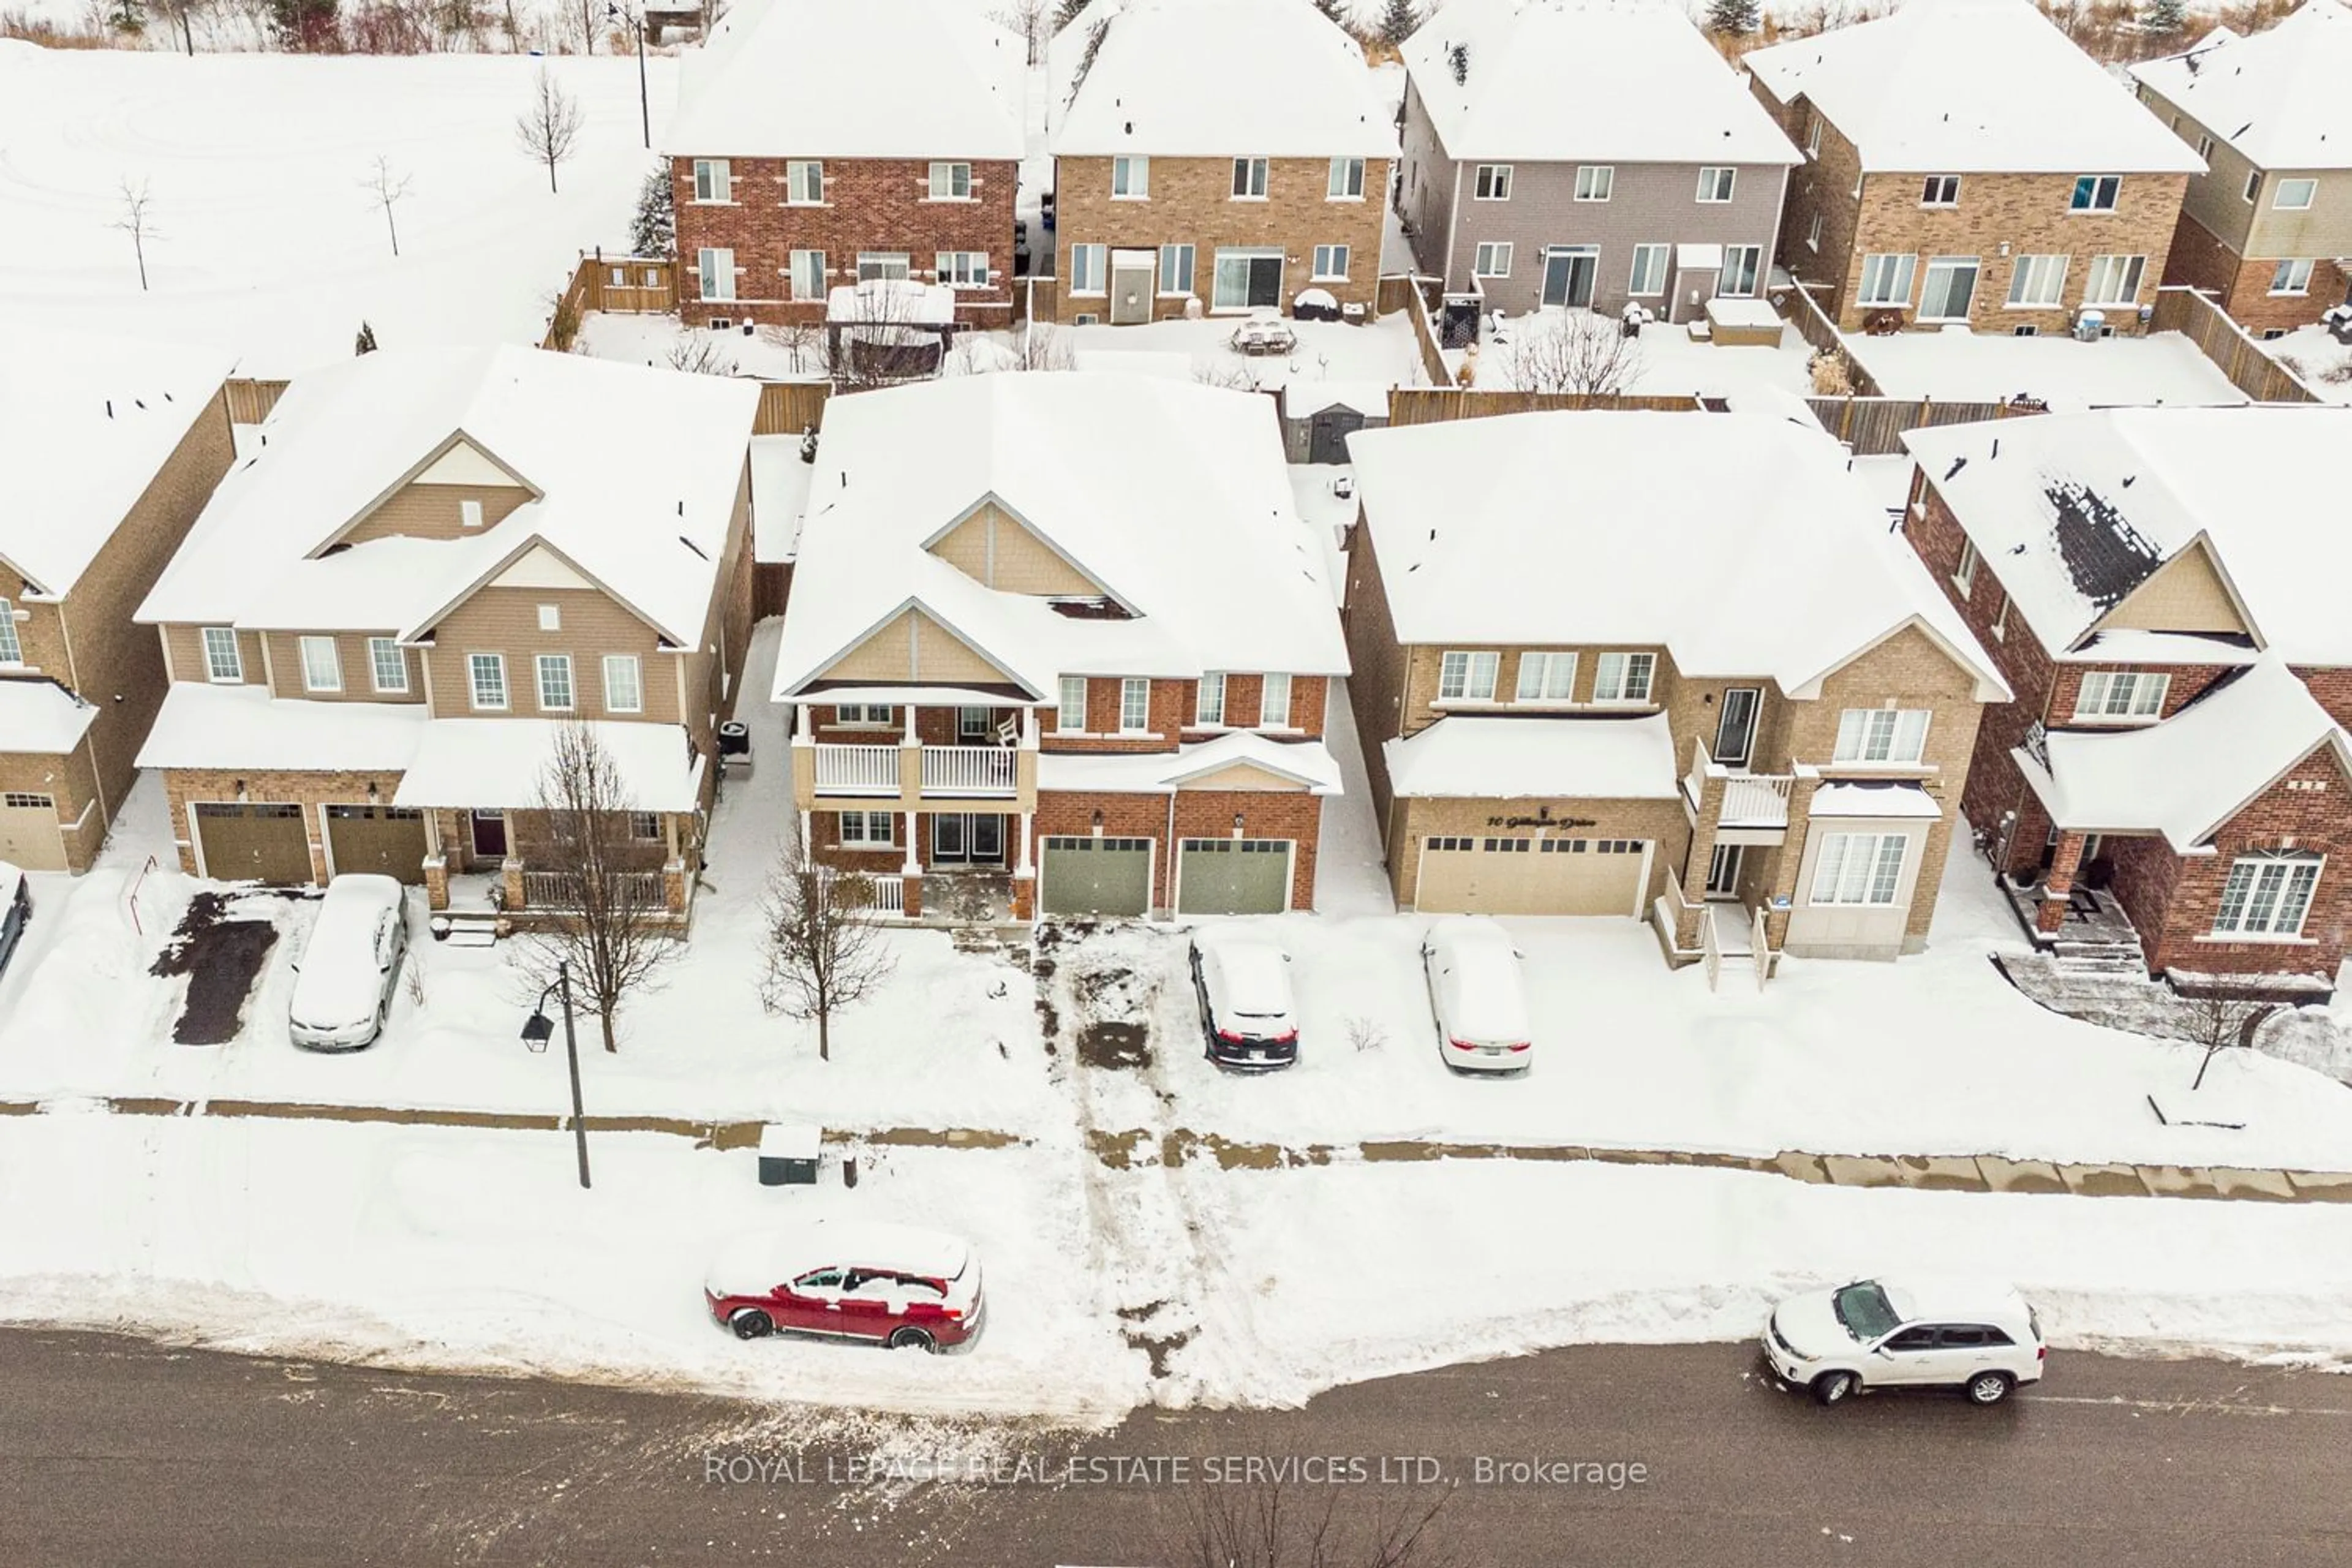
(1265, 333)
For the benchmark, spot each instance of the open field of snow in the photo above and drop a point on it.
(1957, 365)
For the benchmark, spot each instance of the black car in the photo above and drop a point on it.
(15, 911)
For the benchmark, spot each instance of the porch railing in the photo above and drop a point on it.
(966, 771)
(561, 890)
(1749, 799)
(857, 770)
(889, 895)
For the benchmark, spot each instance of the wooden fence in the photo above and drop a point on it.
(2251, 369)
(1409, 296)
(789, 407)
(249, 401)
(1432, 405)
(1814, 325)
(1874, 426)
(618, 284)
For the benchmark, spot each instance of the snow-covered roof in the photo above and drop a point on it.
(1639, 529)
(636, 473)
(2071, 511)
(242, 728)
(501, 763)
(779, 488)
(852, 78)
(41, 718)
(86, 421)
(1585, 80)
(2282, 97)
(1171, 497)
(1875, 797)
(1971, 87)
(1164, 772)
(2187, 775)
(1214, 79)
(1303, 399)
(2132, 645)
(1500, 759)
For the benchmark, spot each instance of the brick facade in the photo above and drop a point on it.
(2241, 285)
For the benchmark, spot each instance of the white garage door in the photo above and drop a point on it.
(29, 837)
(1498, 876)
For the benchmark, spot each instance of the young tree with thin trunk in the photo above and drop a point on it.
(549, 129)
(613, 925)
(387, 188)
(138, 223)
(1577, 352)
(2221, 1012)
(1266, 1525)
(824, 950)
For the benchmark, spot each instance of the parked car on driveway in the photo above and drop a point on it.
(345, 979)
(900, 1284)
(1246, 1017)
(15, 911)
(1476, 994)
(1906, 1332)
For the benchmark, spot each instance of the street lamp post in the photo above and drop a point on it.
(536, 1030)
(644, 102)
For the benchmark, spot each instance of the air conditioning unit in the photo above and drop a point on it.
(2090, 326)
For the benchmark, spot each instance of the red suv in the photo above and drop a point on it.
(898, 1284)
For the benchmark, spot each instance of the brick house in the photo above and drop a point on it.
(818, 145)
(1217, 155)
(1538, 171)
(1595, 678)
(107, 450)
(2268, 227)
(435, 561)
(1074, 660)
(1966, 163)
(2171, 778)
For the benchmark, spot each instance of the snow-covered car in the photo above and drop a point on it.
(1476, 996)
(1246, 1017)
(1906, 1332)
(345, 979)
(15, 911)
(900, 1285)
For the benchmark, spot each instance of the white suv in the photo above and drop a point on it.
(1912, 1331)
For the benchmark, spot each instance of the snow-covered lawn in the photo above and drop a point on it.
(2313, 353)
(1664, 361)
(1957, 365)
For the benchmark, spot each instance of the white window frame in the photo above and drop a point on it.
(1130, 178)
(2106, 271)
(2254, 186)
(1859, 870)
(714, 274)
(963, 269)
(1939, 191)
(1177, 263)
(1346, 183)
(1624, 679)
(1090, 278)
(1330, 264)
(865, 716)
(2047, 269)
(635, 678)
(1716, 184)
(1274, 701)
(2306, 187)
(2259, 891)
(1595, 181)
(493, 665)
(1964, 575)
(714, 185)
(1973, 265)
(864, 838)
(2205, 146)
(884, 265)
(1813, 230)
(11, 647)
(1888, 737)
(805, 274)
(378, 666)
(1813, 135)
(1873, 290)
(1467, 675)
(1491, 182)
(550, 617)
(322, 664)
(222, 652)
(1134, 706)
(1252, 178)
(2121, 696)
(469, 513)
(2286, 279)
(946, 175)
(1755, 255)
(1483, 259)
(804, 182)
(1070, 711)
(1546, 677)
(2092, 187)
(1651, 257)
(560, 665)
(1209, 701)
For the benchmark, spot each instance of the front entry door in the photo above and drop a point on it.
(490, 835)
(1568, 275)
(1723, 872)
(967, 838)
(1734, 732)
(1132, 276)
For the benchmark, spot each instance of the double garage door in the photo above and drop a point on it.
(1213, 876)
(271, 843)
(1505, 875)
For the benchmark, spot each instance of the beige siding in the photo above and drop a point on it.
(420, 510)
(358, 669)
(914, 647)
(1241, 775)
(2184, 594)
(994, 548)
(187, 645)
(505, 621)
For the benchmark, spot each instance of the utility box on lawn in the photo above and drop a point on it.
(788, 1154)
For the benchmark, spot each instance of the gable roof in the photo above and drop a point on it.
(2072, 511)
(1272, 79)
(636, 472)
(852, 78)
(1971, 87)
(1643, 529)
(2283, 97)
(86, 422)
(1547, 80)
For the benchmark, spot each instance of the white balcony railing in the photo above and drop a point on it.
(561, 890)
(857, 770)
(1756, 800)
(967, 771)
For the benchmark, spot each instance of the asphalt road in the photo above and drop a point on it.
(114, 1451)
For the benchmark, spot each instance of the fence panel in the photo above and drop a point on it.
(789, 407)
(1874, 426)
(2249, 366)
(1431, 405)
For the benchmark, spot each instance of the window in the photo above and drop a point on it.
(12, 650)
(1130, 178)
(550, 617)
(488, 672)
(710, 180)
(1623, 677)
(1886, 279)
(1347, 183)
(1964, 575)
(1273, 702)
(2000, 620)
(555, 682)
(1649, 269)
(1813, 136)
(866, 715)
(805, 183)
(624, 690)
(1546, 677)
(1175, 270)
(645, 826)
(2121, 694)
(1813, 232)
(1070, 717)
(1209, 703)
(1492, 259)
(388, 664)
(1860, 867)
(1492, 183)
(2037, 282)
(322, 667)
(1135, 706)
(1087, 268)
(963, 269)
(2295, 196)
(2114, 281)
(807, 274)
(1331, 262)
(875, 266)
(2291, 277)
(1249, 179)
(715, 270)
(222, 661)
(868, 829)
(1467, 677)
(469, 513)
(2095, 194)
(1594, 181)
(1715, 184)
(950, 182)
(2205, 147)
(26, 800)
(1940, 191)
(2254, 185)
(1741, 265)
(1881, 735)
(1949, 289)
(2267, 895)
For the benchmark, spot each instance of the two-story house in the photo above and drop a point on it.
(823, 143)
(1587, 155)
(429, 565)
(2268, 227)
(1594, 676)
(2163, 590)
(108, 449)
(1965, 164)
(1218, 155)
(1075, 657)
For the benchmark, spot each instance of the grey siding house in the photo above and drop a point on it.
(1582, 155)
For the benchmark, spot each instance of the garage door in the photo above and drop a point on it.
(1234, 876)
(1530, 876)
(29, 836)
(385, 838)
(1090, 876)
(253, 843)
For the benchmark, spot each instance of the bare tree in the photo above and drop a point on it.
(1044, 346)
(883, 340)
(1263, 1525)
(613, 924)
(1033, 19)
(548, 129)
(2219, 1011)
(180, 12)
(803, 342)
(824, 951)
(697, 353)
(1232, 375)
(387, 188)
(136, 223)
(1582, 353)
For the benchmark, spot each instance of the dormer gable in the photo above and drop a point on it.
(2190, 592)
(912, 646)
(998, 547)
(458, 489)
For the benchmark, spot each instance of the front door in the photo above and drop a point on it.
(1132, 276)
(1569, 272)
(1735, 730)
(1723, 872)
(490, 835)
(967, 838)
